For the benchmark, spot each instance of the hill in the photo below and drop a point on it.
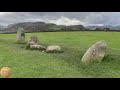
(39, 26)
(104, 26)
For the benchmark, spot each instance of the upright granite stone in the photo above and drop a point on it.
(95, 53)
(20, 35)
(33, 43)
(33, 40)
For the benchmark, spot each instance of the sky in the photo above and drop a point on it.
(62, 18)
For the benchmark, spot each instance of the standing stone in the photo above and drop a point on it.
(95, 53)
(20, 35)
(33, 40)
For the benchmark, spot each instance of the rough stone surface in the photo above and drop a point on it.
(33, 44)
(95, 53)
(33, 40)
(39, 47)
(20, 35)
(54, 47)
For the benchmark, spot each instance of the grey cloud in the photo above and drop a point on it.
(106, 18)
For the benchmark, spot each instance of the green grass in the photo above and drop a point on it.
(36, 64)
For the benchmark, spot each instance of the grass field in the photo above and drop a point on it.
(36, 64)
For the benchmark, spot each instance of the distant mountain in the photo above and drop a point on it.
(42, 26)
(116, 28)
(76, 27)
(39, 26)
(101, 27)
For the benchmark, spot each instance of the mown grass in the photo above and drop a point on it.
(36, 64)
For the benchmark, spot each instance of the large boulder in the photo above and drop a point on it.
(95, 53)
(53, 48)
(20, 35)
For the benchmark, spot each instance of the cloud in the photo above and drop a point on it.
(66, 21)
(95, 25)
(62, 18)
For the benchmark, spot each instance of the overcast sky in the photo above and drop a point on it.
(62, 18)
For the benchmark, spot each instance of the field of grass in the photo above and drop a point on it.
(36, 64)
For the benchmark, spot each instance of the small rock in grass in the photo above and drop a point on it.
(54, 49)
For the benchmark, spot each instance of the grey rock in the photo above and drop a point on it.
(39, 47)
(54, 47)
(20, 35)
(33, 40)
(33, 44)
(95, 53)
